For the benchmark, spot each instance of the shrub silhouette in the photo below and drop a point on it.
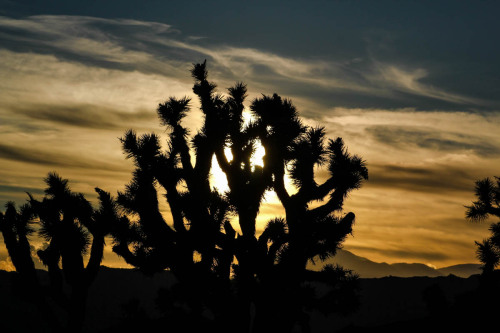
(487, 204)
(70, 226)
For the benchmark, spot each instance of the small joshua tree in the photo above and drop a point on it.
(487, 204)
(70, 226)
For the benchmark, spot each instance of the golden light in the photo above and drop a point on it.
(258, 155)
(271, 206)
(218, 178)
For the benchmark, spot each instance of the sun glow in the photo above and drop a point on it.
(258, 155)
(270, 206)
(218, 179)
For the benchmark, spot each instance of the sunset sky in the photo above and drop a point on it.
(411, 86)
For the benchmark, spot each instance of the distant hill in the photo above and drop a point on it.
(463, 270)
(366, 268)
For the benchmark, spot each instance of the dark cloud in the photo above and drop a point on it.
(83, 115)
(11, 188)
(15, 125)
(407, 137)
(120, 44)
(55, 159)
(360, 57)
(21, 154)
(461, 58)
(16, 194)
(429, 179)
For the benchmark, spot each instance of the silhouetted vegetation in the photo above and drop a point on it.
(70, 227)
(487, 204)
(228, 280)
(481, 304)
(239, 280)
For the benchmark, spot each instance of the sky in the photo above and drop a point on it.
(413, 87)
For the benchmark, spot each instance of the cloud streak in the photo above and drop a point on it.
(83, 115)
(441, 179)
(153, 47)
(54, 159)
(410, 81)
(408, 137)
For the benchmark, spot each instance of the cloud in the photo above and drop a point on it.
(460, 139)
(408, 137)
(16, 194)
(82, 34)
(83, 115)
(54, 159)
(427, 179)
(7, 265)
(8, 188)
(410, 81)
(157, 48)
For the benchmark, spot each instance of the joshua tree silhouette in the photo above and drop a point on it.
(201, 246)
(487, 204)
(70, 225)
(229, 281)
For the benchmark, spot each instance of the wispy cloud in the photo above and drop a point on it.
(413, 135)
(152, 47)
(437, 179)
(86, 115)
(410, 81)
(54, 159)
(409, 137)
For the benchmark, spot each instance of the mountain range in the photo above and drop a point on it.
(366, 268)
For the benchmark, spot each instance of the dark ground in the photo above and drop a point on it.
(389, 304)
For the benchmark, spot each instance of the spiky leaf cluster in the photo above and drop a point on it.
(487, 193)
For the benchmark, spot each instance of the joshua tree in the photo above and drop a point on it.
(241, 280)
(487, 204)
(201, 247)
(16, 227)
(306, 233)
(70, 225)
